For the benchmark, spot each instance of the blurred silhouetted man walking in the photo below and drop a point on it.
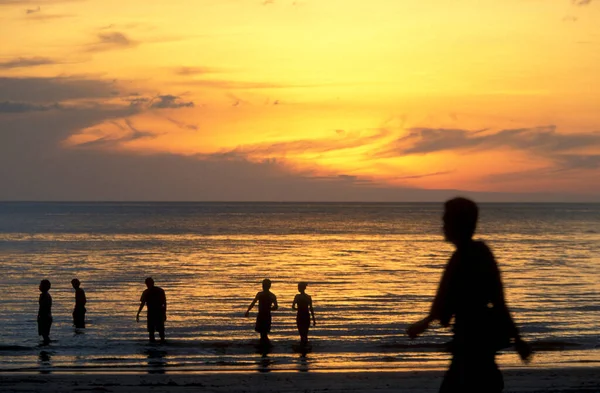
(471, 292)
(267, 302)
(156, 301)
(80, 301)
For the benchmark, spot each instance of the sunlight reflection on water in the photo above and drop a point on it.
(371, 270)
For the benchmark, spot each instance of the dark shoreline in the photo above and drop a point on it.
(517, 380)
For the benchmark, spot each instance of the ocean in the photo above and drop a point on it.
(371, 269)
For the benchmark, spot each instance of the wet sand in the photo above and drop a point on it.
(516, 380)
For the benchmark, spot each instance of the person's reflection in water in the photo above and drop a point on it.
(471, 292)
(45, 362)
(303, 363)
(156, 361)
(264, 362)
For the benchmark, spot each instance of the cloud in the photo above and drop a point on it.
(544, 140)
(9, 3)
(170, 102)
(567, 162)
(22, 107)
(130, 133)
(570, 18)
(35, 165)
(566, 166)
(562, 152)
(187, 71)
(111, 41)
(45, 17)
(423, 175)
(243, 85)
(33, 10)
(53, 89)
(182, 125)
(22, 62)
(315, 146)
(581, 2)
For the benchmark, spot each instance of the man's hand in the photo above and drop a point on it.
(247, 314)
(137, 318)
(417, 328)
(314, 323)
(524, 350)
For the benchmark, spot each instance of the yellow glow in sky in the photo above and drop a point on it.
(475, 95)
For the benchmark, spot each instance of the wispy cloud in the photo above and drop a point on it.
(111, 41)
(581, 2)
(23, 107)
(34, 2)
(348, 140)
(542, 139)
(40, 16)
(192, 71)
(181, 124)
(129, 133)
(33, 10)
(22, 62)
(53, 89)
(562, 152)
(423, 175)
(564, 164)
(244, 85)
(170, 102)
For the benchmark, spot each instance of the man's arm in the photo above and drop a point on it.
(498, 300)
(312, 312)
(438, 307)
(164, 305)
(294, 302)
(142, 304)
(40, 309)
(251, 305)
(80, 299)
(275, 306)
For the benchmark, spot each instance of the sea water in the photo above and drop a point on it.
(371, 269)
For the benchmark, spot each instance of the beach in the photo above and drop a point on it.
(516, 381)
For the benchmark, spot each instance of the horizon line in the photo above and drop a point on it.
(288, 202)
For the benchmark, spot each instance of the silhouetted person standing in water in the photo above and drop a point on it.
(267, 302)
(80, 301)
(44, 317)
(156, 301)
(304, 303)
(471, 291)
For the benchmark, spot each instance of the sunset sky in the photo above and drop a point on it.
(349, 100)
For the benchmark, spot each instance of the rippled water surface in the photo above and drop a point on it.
(371, 268)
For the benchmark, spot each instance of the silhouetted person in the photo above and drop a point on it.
(471, 292)
(44, 317)
(305, 311)
(156, 302)
(80, 301)
(267, 302)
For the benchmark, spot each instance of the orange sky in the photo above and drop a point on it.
(494, 96)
